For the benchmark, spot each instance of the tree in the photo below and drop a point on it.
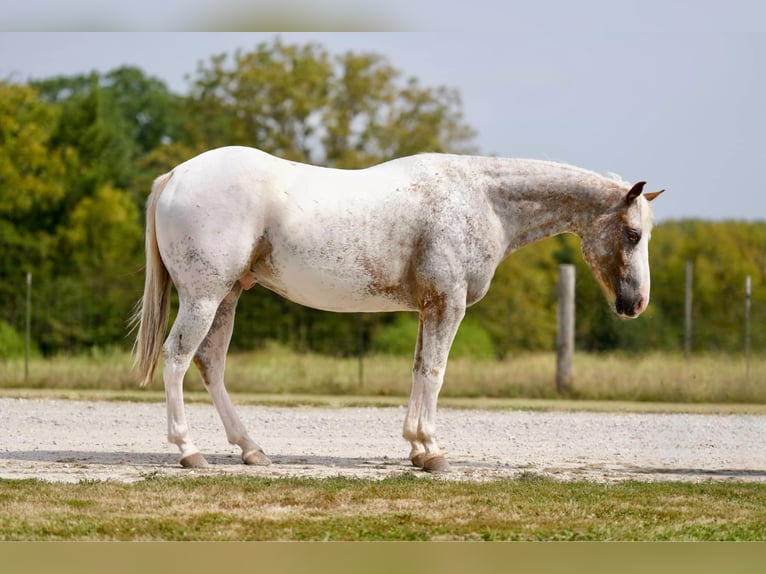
(90, 134)
(30, 177)
(270, 98)
(723, 253)
(110, 122)
(301, 103)
(371, 118)
(145, 105)
(103, 243)
(31, 190)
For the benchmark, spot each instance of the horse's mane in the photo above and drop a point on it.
(615, 177)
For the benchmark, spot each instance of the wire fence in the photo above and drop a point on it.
(70, 316)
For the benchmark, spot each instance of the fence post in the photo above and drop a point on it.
(688, 309)
(748, 302)
(565, 333)
(28, 330)
(360, 348)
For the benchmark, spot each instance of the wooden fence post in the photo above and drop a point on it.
(28, 328)
(748, 303)
(688, 309)
(565, 333)
(360, 348)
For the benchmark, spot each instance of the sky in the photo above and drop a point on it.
(670, 92)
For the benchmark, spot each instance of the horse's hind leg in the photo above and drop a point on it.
(211, 362)
(195, 316)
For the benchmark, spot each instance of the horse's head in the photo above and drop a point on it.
(616, 247)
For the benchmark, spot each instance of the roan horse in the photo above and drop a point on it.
(423, 233)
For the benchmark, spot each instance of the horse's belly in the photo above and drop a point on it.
(340, 290)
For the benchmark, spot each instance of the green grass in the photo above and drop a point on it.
(409, 507)
(277, 371)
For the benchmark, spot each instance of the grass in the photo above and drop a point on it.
(277, 371)
(409, 507)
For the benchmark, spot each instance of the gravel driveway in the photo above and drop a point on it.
(71, 441)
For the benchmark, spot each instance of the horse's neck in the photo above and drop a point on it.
(539, 199)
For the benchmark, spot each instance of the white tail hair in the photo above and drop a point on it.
(153, 309)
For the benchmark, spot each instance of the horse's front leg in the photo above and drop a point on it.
(437, 329)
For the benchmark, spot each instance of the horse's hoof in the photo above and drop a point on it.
(436, 464)
(195, 460)
(418, 459)
(256, 458)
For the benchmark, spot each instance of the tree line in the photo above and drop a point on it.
(78, 155)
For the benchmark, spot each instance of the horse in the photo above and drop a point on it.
(422, 233)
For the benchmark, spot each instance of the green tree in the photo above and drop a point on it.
(31, 190)
(111, 122)
(270, 98)
(102, 242)
(372, 117)
(723, 254)
(301, 103)
(145, 105)
(101, 136)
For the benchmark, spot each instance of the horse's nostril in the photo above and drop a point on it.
(640, 306)
(628, 307)
(619, 306)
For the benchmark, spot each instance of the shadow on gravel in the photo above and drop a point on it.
(84, 457)
(343, 465)
(171, 459)
(741, 473)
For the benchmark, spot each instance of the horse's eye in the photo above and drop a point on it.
(633, 235)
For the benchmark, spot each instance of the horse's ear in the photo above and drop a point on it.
(635, 191)
(653, 195)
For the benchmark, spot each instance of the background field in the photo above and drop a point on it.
(278, 371)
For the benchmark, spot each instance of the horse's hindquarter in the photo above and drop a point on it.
(206, 222)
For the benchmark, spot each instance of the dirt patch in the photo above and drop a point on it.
(72, 441)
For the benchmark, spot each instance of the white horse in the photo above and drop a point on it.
(423, 233)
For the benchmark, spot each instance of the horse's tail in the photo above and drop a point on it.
(152, 310)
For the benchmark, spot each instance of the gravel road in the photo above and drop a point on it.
(71, 441)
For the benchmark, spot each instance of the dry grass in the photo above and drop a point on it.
(275, 370)
(405, 508)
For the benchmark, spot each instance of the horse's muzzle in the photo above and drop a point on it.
(629, 307)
